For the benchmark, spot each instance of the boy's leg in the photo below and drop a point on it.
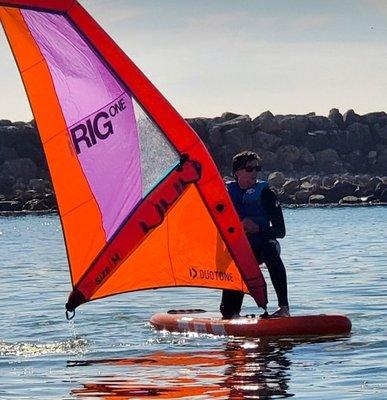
(231, 303)
(277, 272)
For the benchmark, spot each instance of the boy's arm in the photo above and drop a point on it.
(274, 212)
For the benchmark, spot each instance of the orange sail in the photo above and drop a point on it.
(141, 202)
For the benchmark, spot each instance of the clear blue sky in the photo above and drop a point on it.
(244, 56)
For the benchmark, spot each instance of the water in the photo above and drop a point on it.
(336, 260)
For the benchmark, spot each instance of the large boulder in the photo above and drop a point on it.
(284, 198)
(39, 185)
(383, 196)
(6, 184)
(7, 153)
(372, 157)
(380, 165)
(306, 157)
(339, 190)
(8, 136)
(276, 179)
(320, 123)
(316, 180)
(199, 125)
(357, 161)
(235, 139)
(328, 181)
(381, 132)
(223, 156)
(350, 200)
(380, 188)
(289, 153)
(286, 136)
(359, 136)
(351, 117)
(302, 196)
(310, 187)
(10, 205)
(36, 205)
(336, 118)
(362, 179)
(269, 159)
(242, 123)
(228, 116)
(5, 122)
(215, 121)
(264, 140)
(338, 140)
(27, 149)
(317, 141)
(317, 199)
(373, 117)
(373, 183)
(22, 167)
(328, 161)
(291, 186)
(266, 122)
(215, 137)
(297, 125)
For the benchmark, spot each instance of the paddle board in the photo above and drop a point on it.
(200, 321)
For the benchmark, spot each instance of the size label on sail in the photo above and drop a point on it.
(96, 128)
(113, 261)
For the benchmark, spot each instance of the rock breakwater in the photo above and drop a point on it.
(308, 159)
(25, 183)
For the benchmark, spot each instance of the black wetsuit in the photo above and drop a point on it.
(265, 250)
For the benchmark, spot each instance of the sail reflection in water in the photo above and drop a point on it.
(243, 370)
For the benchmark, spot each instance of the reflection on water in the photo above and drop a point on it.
(251, 369)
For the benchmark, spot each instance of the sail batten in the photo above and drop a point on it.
(141, 201)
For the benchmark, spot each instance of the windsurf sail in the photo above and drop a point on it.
(141, 202)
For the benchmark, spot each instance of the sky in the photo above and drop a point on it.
(243, 56)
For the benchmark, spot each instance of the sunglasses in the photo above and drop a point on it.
(252, 168)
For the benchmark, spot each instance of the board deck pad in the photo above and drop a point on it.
(200, 321)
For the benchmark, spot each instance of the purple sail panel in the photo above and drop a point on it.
(99, 114)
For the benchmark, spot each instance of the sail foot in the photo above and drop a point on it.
(148, 215)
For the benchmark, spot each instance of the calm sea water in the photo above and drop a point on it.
(336, 260)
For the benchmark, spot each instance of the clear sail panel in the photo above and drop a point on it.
(158, 156)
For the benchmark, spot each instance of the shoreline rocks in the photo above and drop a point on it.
(308, 159)
(332, 189)
(25, 184)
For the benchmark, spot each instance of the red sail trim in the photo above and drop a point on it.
(48, 5)
(148, 215)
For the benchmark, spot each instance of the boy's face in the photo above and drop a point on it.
(247, 176)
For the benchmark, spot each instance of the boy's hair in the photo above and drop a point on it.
(240, 160)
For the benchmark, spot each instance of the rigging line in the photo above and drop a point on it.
(78, 206)
(33, 65)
